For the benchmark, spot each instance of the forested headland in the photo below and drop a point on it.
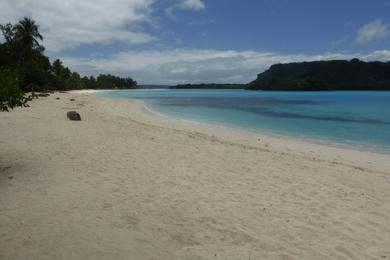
(314, 76)
(325, 75)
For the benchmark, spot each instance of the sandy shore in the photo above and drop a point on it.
(125, 184)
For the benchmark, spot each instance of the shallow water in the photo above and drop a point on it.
(347, 117)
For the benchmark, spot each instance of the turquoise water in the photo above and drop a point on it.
(347, 117)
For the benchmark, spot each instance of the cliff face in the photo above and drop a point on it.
(325, 75)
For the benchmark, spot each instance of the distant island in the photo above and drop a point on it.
(314, 76)
(209, 86)
(325, 75)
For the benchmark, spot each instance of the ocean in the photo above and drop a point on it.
(360, 118)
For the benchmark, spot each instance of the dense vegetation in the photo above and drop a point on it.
(325, 75)
(209, 86)
(23, 63)
(10, 93)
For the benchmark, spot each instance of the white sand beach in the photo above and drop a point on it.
(126, 184)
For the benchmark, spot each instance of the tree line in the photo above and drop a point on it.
(24, 67)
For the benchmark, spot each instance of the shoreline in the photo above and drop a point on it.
(365, 147)
(126, 184)
(283, 143)
(370, 148)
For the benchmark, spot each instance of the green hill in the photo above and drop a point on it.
(325, 75)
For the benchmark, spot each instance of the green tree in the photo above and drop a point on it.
(26, 35)
(10, 93)
(23, 54)
(7, 49)
(57, 68)
(8, 32)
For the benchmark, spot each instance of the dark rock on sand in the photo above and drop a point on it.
(74, 116)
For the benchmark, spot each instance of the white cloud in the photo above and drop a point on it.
(193, 5)
(374, 31)
(195, 65)
(71, 23)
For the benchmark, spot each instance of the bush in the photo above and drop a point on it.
(10, 93)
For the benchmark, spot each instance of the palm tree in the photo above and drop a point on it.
(27, 37)
(57, 67)
(27, 33)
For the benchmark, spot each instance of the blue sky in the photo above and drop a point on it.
(278, 26)
(179, 41)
